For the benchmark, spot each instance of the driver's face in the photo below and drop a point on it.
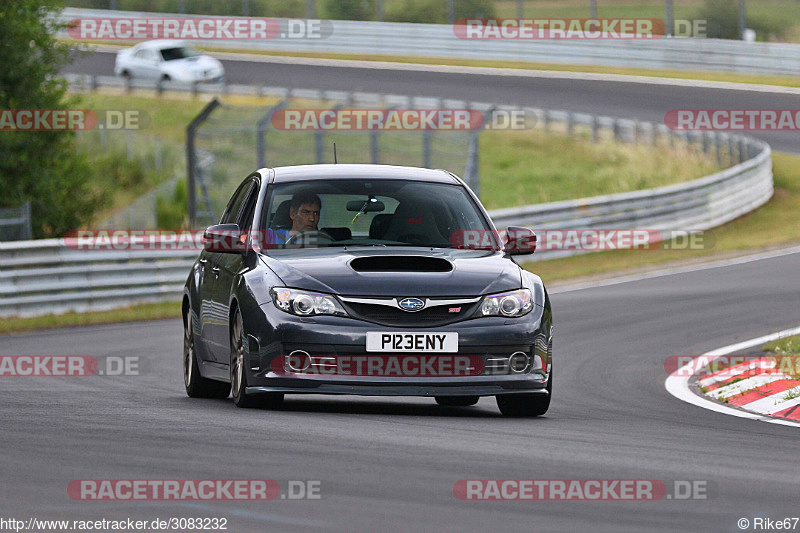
(305, 218)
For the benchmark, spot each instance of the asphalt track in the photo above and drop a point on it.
(626, 100)
(390, 464)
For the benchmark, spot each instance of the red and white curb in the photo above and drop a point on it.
(754, 389)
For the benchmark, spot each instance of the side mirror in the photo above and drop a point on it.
(520, 241)
(224, 238)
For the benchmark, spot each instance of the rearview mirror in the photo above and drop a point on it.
(224, 238)
(372, 206)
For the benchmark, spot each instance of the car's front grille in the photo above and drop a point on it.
(438, 315)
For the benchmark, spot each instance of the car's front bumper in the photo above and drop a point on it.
(484, 338)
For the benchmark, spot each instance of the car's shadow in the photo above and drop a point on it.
(484, 409)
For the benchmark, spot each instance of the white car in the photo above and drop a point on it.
(169, 61)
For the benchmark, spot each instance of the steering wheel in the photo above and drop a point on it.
(413, 238)
(319, 238)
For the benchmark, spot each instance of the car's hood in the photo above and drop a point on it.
(333, 270)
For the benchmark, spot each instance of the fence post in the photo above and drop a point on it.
(426, 148)
(570, 123)
(617, 130)
(158, 154)
(473, 176)
(27, 229)
(261, 133)
(191, 158)
(374, 147)
(129, 144)
(595, 129)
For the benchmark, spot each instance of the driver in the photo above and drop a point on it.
(304, 212)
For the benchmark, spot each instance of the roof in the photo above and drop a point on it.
(351, 171)
(161, 43)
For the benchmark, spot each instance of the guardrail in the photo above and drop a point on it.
(439, 40)
(43, 277)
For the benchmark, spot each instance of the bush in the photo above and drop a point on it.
(171, 212)
(42, 167)
(723, 21)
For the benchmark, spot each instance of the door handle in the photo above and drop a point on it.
(215, 270)
(203, 261)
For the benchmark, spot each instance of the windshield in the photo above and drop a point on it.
(179, 52)
(370, 212)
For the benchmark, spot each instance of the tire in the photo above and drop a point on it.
(457, 401)
(126, 74)
(196, 385)
(239, 375)
(165, 77)
(526, 405)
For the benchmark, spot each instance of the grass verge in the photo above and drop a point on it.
(135, 313)
(785, 346)
(773, 225)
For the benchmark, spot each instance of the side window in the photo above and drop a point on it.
(140, 54)
(231, 215)
(245, 219)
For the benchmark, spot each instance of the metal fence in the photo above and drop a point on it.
(225, 143)
(15, 223)
(439, 40)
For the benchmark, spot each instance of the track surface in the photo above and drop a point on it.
(390, 465)
(627, 100)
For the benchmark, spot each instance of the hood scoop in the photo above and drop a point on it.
(400, 263)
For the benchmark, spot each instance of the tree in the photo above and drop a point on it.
(42, 167)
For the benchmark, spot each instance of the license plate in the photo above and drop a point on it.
(412, 342)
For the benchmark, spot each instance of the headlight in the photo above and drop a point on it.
(304, 303)
(508, 304)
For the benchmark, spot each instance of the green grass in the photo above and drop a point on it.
(517, 167)
(785, 346)
(773, 225)
(149, 311)
(529, 167)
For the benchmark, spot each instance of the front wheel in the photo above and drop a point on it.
(526, 405)
(239, 375)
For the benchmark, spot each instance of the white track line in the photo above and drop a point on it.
(677, 270)
(678, 385)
